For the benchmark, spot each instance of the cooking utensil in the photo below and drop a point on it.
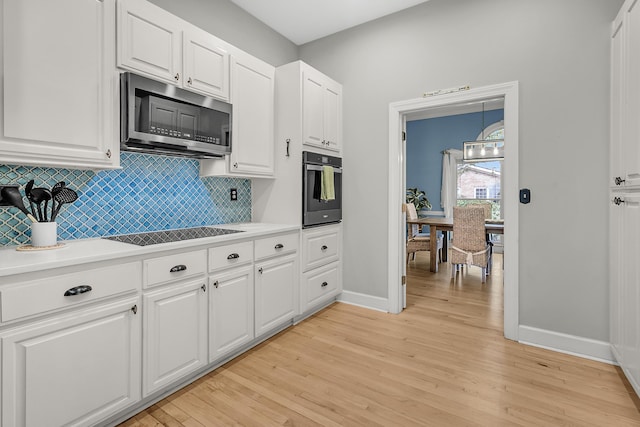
(54, 190)
(65, 195)
(41, 195)
(27, 192)
(12, 196)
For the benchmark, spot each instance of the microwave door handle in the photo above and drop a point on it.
(318, 168)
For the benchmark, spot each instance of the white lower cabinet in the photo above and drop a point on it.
(175, 338)
(275, 292)
(230, 311)
(319, 285)
(72, 369)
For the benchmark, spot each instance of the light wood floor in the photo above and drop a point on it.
(442, 362)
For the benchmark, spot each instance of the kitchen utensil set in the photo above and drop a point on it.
(39, 199)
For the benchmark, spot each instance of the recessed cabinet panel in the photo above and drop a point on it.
(149, 40)
(320, 285)
(205, 64)
(275, 292)
(175, 339)
(76, 369)
(320, 246)
(313, 110)
(231, 311)
(24, 299)
(60, 84)
(174, 267)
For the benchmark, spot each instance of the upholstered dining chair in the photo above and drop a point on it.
(469, 245)
(417, 240)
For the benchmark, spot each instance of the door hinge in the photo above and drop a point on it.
(404, 136)
(404, 280)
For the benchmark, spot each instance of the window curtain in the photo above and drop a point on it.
(448, 193)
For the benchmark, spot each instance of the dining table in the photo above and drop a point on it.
(445, 225)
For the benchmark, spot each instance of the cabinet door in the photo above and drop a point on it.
(631, 132)
(74, 369)
(275, 292)
(630, 290)
(175, 340)
(149, 40)
(332, 116)
(313, 109)
(205, 64)
(252, 95)
(616, 168)
(616, 266)
(60, 84)
(319, 286)
(231, 311)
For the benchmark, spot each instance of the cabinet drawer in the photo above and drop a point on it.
(320, 284)
(230, 255)
(44, 295)
(320, 247)
(174, 267)
(277, 245)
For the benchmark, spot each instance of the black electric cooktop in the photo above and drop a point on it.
(166, 236)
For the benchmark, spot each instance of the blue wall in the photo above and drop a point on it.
(149, 193)
(426, 139)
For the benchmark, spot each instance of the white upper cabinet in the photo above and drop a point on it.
(60, 84)
(158, 44)
(321, 110)
(205, 64)
(625, 101)
(252, 96)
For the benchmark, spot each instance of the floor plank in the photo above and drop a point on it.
(442, 362)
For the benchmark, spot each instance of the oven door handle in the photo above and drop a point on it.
(319, 168)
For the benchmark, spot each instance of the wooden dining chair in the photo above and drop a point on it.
(469, 245)
(416, 239)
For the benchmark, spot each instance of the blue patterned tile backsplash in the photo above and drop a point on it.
(149, 193)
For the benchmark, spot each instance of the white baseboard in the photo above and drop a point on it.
(565, 343)
(366, 301)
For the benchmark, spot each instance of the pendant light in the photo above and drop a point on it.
(483, 149)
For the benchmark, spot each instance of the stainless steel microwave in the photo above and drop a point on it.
(160, 118)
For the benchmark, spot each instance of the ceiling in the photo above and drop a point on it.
(302, 21)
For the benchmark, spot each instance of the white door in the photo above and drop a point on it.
(149, 40)
(205, 64)
(252, 95)
(332, 117)
(75, 368)
(275, 292)
(313, 110)
(230, 311)
(175, 339)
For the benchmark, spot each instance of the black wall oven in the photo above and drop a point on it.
(320, 205)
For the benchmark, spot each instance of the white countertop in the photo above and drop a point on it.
(81, 251)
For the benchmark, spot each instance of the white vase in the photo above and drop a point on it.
(44, 234)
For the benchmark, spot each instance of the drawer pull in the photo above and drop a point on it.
(324, 284)
(177, 268)
(279, 246)
(233, 256)
(78, 290)
(324, 247)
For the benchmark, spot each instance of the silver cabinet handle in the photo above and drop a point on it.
(177, 76)
(190, 81)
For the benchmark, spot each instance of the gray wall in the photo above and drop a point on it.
(233, 25)
(559, 52)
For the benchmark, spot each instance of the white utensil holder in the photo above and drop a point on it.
(44, 234)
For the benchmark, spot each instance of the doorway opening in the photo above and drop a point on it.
(398, 113)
